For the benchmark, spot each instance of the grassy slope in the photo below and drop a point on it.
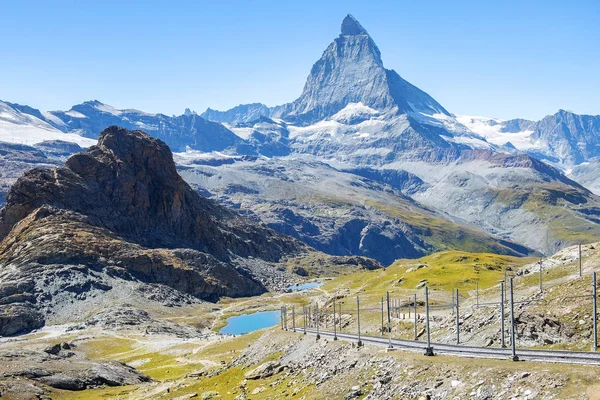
(442, 234)
(564, 208)
(443, 271)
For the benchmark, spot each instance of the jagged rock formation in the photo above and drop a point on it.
(351, 71)
(240, 114)
(129, 185)
(118, 222)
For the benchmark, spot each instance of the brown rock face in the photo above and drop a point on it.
(129, 185)
(71, 236)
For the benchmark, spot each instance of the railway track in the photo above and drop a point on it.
(555, 356)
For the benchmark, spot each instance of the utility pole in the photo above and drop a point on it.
(281, 316)
(415, 306)
(457, 320)
(358, 320)
(304, 313)
(317, 315)
(453, 303)
(294, 318)
(502, 344)
(334, 325)
(477, 293)
(595, 310)
(382, 328)
(541, 267)
(340, 308)
(388, 308)
(512, 323)
(428, 349)
(285, 317)
(580, 271)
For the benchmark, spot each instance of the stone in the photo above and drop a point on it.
(18, 318)
(209, 395)
(265, 370)
(353, 394)
(55, 349)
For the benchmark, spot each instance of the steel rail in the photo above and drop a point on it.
(557, 356)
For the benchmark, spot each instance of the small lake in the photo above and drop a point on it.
(251, 322)
(304, 286)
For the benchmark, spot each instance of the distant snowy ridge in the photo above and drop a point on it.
(22, 128)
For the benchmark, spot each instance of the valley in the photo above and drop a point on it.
(153, 256)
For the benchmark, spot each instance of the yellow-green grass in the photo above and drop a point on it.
(159, 365)
(443, 272)
(102, 393)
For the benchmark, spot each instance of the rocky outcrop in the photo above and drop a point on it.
(63, 369)
(19, 317)
(129, 185)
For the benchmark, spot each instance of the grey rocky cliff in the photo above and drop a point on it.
(349, 71)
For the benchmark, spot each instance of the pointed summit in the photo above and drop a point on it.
(351, 27)
(351, 71)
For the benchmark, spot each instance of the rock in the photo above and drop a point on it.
(265, 370)
(65, 382)
(186, 396)
(55, 349)
(258, 390)
(422, 283)
(300, 271)
(94, 375)
(355, 393)
(22, 390)
(18, 318)
(485, 392)
(209, 395)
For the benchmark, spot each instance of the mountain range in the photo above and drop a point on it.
(362, 162)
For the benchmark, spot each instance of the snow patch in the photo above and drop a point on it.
(30, 135)
(75, 114)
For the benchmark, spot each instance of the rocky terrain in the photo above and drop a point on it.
(333, 211)
(116, 225)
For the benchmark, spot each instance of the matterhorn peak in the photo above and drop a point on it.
(351, 27)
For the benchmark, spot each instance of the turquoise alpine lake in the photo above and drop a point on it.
(304, 286)
(251, 322)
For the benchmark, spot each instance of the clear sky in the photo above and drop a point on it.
(504, 59)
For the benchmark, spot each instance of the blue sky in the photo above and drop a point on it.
(504, 59)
